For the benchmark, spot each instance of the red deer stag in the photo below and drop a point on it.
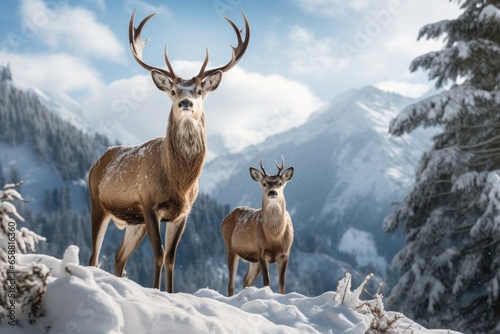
(139, 187)
(260, 236)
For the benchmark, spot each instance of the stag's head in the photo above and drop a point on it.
(187, 95)
(272, 185)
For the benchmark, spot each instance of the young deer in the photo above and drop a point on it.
(260, 236)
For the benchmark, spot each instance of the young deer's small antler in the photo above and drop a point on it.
(282, 165)
(262, 167)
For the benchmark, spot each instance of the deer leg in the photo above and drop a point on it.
(134, 234)
(264, 268)
(100, 221)
(173, 232)
(252, 273)
(153, 229)
(232, 266)
(282, 265)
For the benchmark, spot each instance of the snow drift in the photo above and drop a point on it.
(82, 299)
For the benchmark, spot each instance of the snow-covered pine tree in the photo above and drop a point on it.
(22, 285)
(450, 265)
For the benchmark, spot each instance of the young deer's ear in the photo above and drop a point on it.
(161, 81)
(256, 174)
(287, 174)
(212, 81)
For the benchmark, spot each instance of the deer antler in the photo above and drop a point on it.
(137, 45)
(282, 165)
(262, 167)
(237, 51)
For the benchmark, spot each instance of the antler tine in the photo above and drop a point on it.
(169, 65)
(205, 62)
(262, 167)
(137, 45)
(237, 52)
(282, 165)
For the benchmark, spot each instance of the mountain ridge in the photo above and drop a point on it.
(348, 169)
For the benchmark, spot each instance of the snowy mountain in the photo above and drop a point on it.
(348, 170)
(69, 110)
(44, 143)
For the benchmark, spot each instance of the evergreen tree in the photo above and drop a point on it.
(26, 119)
(22, 286)
(450, 265)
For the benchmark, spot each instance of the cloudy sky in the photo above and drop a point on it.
(302, 54)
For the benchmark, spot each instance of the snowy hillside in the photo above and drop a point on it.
(42, 294)
(44, 143)
(348, 171)
(82, 300)
(69, 110)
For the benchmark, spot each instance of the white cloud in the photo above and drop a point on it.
(332, 8)
(404, 88)
(77, 29)
(100, 4)
(378, 43)
(308, 54)
(248, 107)
(375, 43)
(53, 72)
(244, 110)
(147, 7)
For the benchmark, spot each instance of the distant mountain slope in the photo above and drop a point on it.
(44, 149)
(347, 170)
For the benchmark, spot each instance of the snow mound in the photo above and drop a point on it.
(82, 299)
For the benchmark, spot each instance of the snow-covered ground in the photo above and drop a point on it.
(81, 299)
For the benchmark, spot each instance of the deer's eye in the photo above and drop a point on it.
(172, 92)
(199, 92)
(264, 184)
(280, 183)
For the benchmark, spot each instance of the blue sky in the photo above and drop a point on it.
(302, 53)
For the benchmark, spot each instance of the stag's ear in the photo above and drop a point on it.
(161, 81)
(212, 81)
(256, 174)
(287, 174)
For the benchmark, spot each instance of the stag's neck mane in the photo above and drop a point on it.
(184, 151)
(273, 217)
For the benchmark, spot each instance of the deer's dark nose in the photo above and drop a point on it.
(185, 104)
(272, 193)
